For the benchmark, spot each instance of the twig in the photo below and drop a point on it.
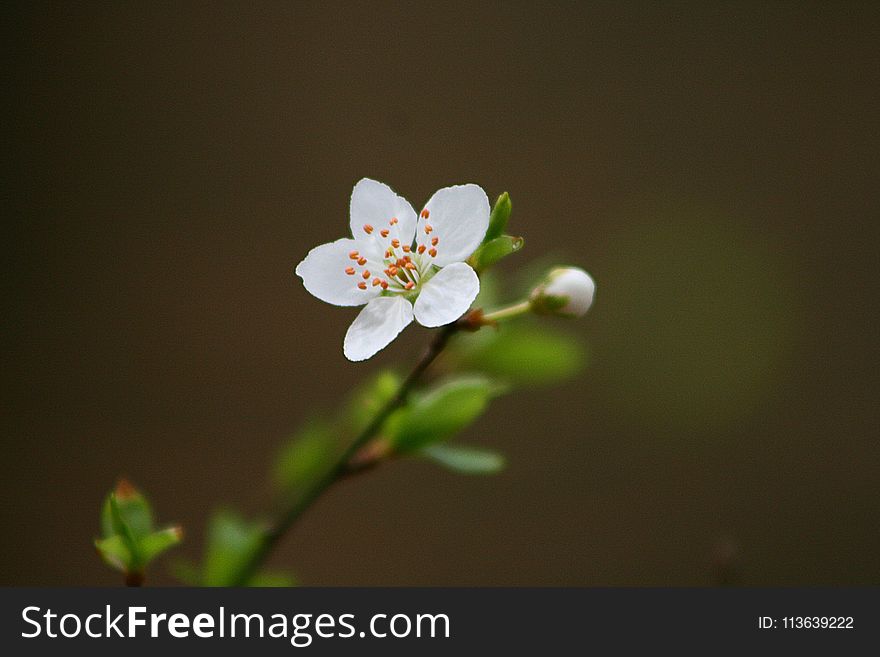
(289, 516)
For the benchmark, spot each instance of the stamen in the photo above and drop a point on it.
(434, 241)
(384, 232)
(410, 265)
(432, 253)
(362, 261)
(407, 248)
(354, 255)
(368, 229)
(425, 214)
(366, 274)
(384, 285)
(409, 285)
(349, 271)
(392, 270)
(389, 253)
(395, 242)
(377, 281)
(428, 229)
(362, 285)
(421, 248)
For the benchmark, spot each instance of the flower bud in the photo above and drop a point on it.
(566, 291)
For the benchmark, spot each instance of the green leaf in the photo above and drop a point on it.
(439, 414)
(115, 552)
(158, 542)
(466, 460)
(523, 354)
(499, 217)
(231, 542)
(132, 511)
(304, 456)
(129, 542)
(370, 397)
(493, 251)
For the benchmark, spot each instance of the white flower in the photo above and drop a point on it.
(399, 264)
(565, 291)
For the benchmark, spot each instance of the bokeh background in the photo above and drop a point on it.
(714, 166)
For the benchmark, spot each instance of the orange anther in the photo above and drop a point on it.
(407, 248)
(410, 265)
(384, 285)
(354, 255)
(362, 285)
(384, 232)
(395, 242)
(421, 248)
(368, 229)
(425, 214)
(409, 285)
(428, 229)
(393, 221)
(362, 261)
(349, 271)
(366, 274)
(432, 253)
(376, 281)
(434, 241)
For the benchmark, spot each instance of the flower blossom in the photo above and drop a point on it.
(400, 265)
(566, 291)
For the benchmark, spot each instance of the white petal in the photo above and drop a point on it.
(459, 217)
(376, 326)
(448, 295)
(323, 274)
(375, 204)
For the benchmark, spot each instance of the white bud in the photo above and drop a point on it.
(565, 291)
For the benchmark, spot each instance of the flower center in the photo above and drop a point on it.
(403, 267)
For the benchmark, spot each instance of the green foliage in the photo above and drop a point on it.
(465, 460)
(522, 354)
(369, 398)
(494, 250)
(438, 414)
(306, 455)
(499, 217)
(231, 542)
(129, 541)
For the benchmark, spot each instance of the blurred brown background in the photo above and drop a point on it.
(165, 167)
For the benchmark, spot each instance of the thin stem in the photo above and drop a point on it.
(290, 515)
(509, 312)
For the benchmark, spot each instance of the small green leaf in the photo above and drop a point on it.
(114, 551)
(439, 414)
(465, 460)
(231, 541)
(305, 455)
(370, 397)
(499, 217)
(494, 250)
(132, 511)
(129, 542)
(156, 543)
(522, 354)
